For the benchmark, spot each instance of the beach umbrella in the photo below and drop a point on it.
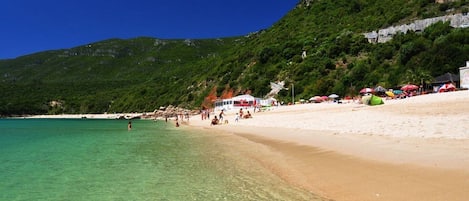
(366, 90)
(397, 92)
(409, 87)
(380, 89)
(333, 96)
(446, 87)
(389, 93)
(316, 99)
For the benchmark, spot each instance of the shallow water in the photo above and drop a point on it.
(53, 159)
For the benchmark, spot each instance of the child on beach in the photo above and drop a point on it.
(214, 121)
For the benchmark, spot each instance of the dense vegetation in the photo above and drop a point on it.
(144, 73)
(110, 76)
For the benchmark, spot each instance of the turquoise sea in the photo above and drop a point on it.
(84, 159)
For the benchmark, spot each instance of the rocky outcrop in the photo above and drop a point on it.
(170, 112)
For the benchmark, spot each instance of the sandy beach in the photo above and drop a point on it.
(408, 149)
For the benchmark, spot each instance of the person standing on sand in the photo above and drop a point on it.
(220, 117)
(129, 126)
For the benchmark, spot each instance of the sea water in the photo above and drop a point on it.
(84, 159)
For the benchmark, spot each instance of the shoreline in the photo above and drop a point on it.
(416, 148)
(127, 116)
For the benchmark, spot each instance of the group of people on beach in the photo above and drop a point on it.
(220, 119)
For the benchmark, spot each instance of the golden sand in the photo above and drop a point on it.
(408, 149)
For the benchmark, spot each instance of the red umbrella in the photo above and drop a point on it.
(447, 87)
(409, 87)
(366, 90)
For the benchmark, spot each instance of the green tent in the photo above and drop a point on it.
(375, 100)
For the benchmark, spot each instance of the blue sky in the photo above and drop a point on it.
(29, 26)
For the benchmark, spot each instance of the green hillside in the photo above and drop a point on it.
(144, 73)
(110, 76)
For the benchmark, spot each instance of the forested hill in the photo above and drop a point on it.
(144, 73)
(115, 75)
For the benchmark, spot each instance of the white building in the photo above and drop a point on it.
(242, 101)
(464, 76)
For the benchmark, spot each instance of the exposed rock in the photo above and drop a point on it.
(169, 112)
